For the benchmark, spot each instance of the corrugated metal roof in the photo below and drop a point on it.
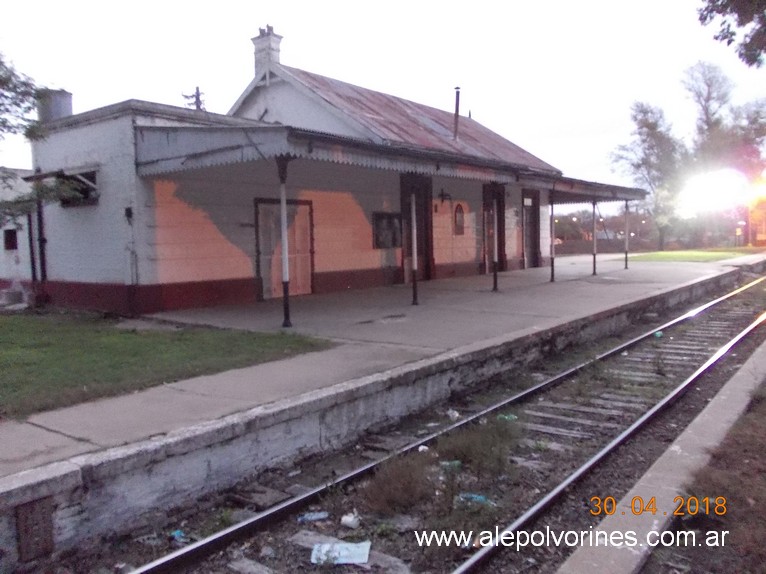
(396, 120)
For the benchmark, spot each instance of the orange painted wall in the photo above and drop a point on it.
(343, 233)
(188, 245)
(204, 229)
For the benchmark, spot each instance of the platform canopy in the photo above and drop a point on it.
(166, 150)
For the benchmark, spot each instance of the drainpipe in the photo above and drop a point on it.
(32, 258)
(41, 241)
(132, 279)
(282, 170)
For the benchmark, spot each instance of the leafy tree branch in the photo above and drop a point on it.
(742, 21)
(18, 99)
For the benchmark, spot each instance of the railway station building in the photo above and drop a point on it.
(307, 185)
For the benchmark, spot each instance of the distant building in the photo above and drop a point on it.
(181, 207)
(14, 258)
(757, 227)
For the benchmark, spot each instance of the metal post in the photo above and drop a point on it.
(553, 242)
(32, 257)
(594, 238)
(494, 246)
(41, 241)
(414, 242)
(627, 231)
(282, 168)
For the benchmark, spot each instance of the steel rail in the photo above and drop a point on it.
(481, 556)
(188, 555)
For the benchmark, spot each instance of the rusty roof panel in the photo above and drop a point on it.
(399, 121)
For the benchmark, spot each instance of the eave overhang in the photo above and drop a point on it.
(71, 173)
(167, 150)
(564, 190)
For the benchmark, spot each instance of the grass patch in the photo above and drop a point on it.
(399, 484)
(49, 361)
(695, 255)
(483, 447)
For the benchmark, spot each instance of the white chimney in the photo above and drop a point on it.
(266, 51)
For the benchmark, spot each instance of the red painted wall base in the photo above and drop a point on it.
(140, 299)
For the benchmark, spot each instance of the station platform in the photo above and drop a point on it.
(375, 330)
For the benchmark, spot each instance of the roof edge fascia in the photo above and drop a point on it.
(146, 108)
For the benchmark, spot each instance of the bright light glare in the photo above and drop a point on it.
(714, 191)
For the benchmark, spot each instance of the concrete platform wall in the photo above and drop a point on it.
(115, 491)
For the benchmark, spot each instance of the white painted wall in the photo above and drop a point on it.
(90, 243)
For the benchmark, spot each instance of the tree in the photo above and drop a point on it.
(18, 99)
(726, 135)
(12, 210)
(748, 17)
(655, 159)
(710, 89)
(19, 96)
(749, 125)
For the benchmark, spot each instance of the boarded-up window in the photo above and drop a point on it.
(386, 230)
(10, 239)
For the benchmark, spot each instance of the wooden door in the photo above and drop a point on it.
(421, 187)
(268, 247)
(494, 193)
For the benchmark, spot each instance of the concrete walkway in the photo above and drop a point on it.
(377, 330)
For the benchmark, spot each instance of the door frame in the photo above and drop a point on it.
(490, 192)
(534, 196)
(269, 201)
(422, 187)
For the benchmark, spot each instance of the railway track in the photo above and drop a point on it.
(501, 464)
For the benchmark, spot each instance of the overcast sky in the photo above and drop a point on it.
(555, 77)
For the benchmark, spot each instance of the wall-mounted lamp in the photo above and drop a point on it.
(444, 196)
